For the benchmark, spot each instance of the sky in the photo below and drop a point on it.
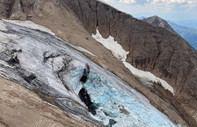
(182, 12)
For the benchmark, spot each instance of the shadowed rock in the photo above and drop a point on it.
(111, 123)
(85, 74)
(85, 97)
(29, 78)
(83, 94)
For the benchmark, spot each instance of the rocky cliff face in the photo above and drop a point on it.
(159, 22)
(151, 49)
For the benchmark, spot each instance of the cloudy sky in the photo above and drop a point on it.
(174, 10)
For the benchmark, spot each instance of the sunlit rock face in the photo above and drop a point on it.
(52, 68)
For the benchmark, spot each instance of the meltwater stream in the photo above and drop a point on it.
(43, 63)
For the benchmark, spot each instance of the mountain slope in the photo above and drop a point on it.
(159, 22)
(74, 21)
(187, 33)
(19, 106)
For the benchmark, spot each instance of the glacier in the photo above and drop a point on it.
(52, 68)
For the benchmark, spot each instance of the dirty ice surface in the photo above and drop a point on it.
(31, 25)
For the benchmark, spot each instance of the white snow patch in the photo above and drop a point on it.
(112, 45)
(2, 26)
(147, 76)
(84, 50)
(31, 25)
(121, 54)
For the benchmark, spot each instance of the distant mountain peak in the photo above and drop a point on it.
(159, 22)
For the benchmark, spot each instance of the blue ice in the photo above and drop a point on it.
(116, 104)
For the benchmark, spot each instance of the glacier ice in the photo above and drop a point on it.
(115, 104)
(5, 38)
(3, 27)
(52, 67)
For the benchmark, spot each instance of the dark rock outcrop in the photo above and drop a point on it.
(83, 93)
(85, 74)
(85, 97)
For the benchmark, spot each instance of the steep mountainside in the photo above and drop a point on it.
(21, 107)
(159, 22)
(152, 49)
(189, 34)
